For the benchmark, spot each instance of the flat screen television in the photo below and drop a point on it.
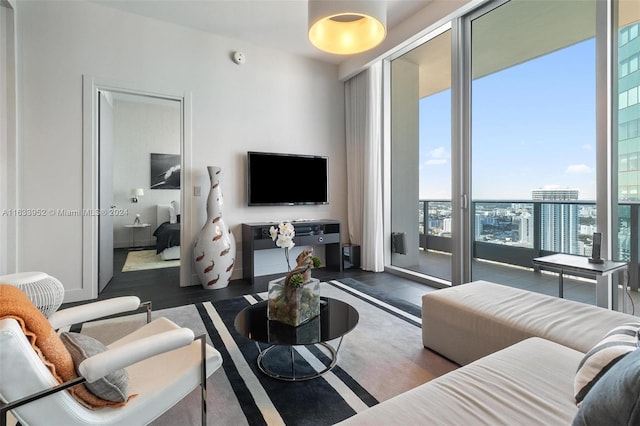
(286, 179)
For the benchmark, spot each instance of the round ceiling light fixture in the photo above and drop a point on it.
(347, 27)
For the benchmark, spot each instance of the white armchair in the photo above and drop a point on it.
(163, 361)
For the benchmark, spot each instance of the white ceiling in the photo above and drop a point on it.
(275, 24)
(516, 32)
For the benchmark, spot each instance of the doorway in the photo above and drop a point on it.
(139, 181)
(134, 165)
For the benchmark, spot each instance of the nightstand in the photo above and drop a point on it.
(132, 234)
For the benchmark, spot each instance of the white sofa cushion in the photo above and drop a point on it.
(469, 321)
(528, 383)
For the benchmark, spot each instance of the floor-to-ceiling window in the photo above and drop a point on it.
(533, 138)
(421, 158)
(527, 104)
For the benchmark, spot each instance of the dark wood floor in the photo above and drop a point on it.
(161, 286)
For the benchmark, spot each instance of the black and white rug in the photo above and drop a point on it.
(382, 357)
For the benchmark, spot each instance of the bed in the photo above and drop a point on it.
(168, 234)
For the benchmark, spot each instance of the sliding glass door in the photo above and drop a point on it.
(505, 134)
(533, 135)
(421, 159)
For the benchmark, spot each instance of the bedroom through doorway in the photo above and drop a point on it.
(139, 188)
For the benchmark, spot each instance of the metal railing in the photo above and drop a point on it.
(515, 232)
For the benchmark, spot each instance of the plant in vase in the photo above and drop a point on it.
(294, 299)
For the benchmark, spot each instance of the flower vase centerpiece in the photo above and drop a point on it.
(294, 299)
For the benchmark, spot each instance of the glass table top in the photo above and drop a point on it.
(336, 319)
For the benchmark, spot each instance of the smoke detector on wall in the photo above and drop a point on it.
(239, 58)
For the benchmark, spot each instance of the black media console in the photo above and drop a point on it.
(255, 236)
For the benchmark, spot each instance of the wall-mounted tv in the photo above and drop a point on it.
(286, 179)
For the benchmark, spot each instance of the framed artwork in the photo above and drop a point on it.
(165, 171)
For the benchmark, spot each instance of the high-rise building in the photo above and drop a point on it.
(559, 223)
(552, 193)
(629, 113)
(446, 225)
(525, 229)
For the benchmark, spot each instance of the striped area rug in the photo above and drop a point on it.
(382, 357)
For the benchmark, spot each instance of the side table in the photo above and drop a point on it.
(132, 234)
(569, 263)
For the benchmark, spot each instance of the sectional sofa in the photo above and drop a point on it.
(520, 352)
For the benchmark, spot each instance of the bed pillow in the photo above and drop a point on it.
(174, 212)
(176, 206)
(604, 355)
(613, 400)
(112, 387)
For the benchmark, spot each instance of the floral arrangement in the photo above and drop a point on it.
(283, 236)
(289, 301)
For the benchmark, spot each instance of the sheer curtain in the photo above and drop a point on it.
(363, 95)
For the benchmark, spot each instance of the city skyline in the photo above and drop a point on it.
(533, 127)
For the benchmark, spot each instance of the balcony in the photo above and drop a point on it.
(508, 235)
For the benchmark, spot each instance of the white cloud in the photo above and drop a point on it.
(439, 152)
(587, 147)
(437, 157)
(435, 162)
(578, 169)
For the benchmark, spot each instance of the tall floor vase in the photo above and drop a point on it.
(215, 249)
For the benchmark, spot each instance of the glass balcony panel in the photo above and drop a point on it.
(496, 256)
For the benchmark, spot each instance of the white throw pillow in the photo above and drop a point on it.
(174, 211)
(176, 206)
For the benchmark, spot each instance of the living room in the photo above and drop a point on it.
(270, 88)
(275, 100)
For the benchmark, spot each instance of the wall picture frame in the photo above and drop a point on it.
(165, 171)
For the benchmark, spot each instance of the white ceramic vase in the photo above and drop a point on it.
(214, 251)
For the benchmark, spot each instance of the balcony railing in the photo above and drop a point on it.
(515, 232)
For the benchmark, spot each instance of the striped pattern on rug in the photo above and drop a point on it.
(382, 357)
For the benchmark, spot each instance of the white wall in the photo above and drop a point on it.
(141, 128)
(5, 15)
(7, 137)
(275, 102)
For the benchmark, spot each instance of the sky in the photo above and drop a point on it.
(533, 126)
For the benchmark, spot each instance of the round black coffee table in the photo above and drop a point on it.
(336, 319)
